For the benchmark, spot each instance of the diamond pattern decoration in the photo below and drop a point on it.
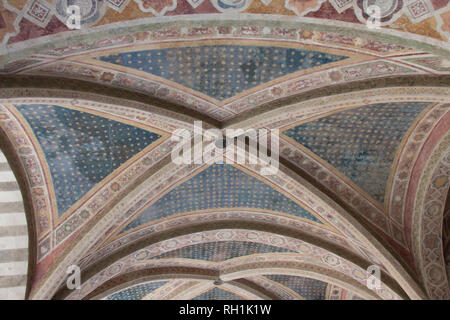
(195, 3)
(39, 13)
(418, 9)
(341, 5)
(118, 5)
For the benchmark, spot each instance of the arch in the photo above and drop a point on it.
(17, 235)
(428, 218)
(306, 192)
(131, 257)
(100, 71)
(243, 270)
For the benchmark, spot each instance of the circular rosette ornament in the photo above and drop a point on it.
(231, 5)
(82, 12)
(378, 12)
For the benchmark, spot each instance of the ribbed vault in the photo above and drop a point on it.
(86, 119)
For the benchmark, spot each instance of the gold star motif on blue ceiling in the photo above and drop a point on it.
(137, 292)
(220, 186)
(362, 142)
(221, 250)
(217, 294)
(308, 288)
(221, 71)
(81, 149)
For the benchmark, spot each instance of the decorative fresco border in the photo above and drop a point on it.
(272, 91)
(57, 220)
(142, 258)
(286, 114)
(426, 230)
(224, 215)
(306, 193)
(381, 68)
(400, 29)
(409, 155)
(42, 195)
(382, 258)
(88, 59)
(305, 111)
(172, 183)
(379, 216)
(347, 181)
(40, 192)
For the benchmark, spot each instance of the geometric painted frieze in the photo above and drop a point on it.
(361, 143)
(221, 71)
(220, 186)
(81, 149)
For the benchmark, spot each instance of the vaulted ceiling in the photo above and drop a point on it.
(86, 118)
